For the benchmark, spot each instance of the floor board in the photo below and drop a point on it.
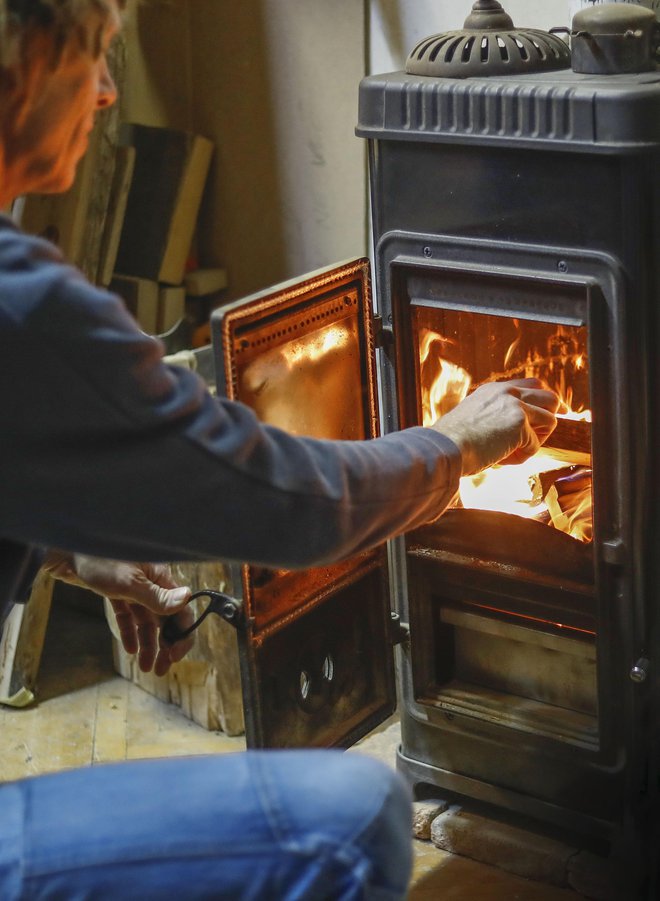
(87, 715)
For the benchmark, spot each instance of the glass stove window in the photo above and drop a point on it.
(310, 384)
(457, 351)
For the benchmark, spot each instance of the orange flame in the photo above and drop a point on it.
(448, 385)
(507, 489)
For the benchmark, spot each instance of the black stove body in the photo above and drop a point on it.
(516, 220)
(532, 199)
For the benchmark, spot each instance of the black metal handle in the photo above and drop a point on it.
(222, 604)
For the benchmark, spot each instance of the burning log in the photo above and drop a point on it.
(571, 435)
(572, 482)
(569, 503)
(566, 494)
(575, 475)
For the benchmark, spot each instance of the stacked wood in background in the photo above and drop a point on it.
(206, 684)
(141, 298)
(21, 645)
(129, 220)
(117, 201)
(153, 250)
(163, 202)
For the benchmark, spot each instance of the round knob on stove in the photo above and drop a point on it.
(640, 670)
(488, 14)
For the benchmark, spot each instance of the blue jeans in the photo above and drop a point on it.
(267, 825)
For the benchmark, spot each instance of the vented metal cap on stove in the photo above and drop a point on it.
(489, 44)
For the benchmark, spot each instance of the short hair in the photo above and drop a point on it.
(59, 19)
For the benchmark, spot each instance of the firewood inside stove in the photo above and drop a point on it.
(571, 435)
(571, 478)
(569, 503)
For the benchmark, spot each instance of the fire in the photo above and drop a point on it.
(447, 388)
(316, 346)
(544, 487)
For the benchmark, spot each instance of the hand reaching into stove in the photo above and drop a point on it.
(141, 595)
(501, 422)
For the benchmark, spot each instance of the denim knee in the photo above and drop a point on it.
(387, 839)
(349, 804)
(317, 825)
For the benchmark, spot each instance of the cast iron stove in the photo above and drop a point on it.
(515, 224)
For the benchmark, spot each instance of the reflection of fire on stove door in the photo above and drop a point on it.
(459, 351)
(316, 644)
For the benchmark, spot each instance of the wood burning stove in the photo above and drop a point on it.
(515, 223)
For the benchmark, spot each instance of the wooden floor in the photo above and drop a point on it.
(87, 715)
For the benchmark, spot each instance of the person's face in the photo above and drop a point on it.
(48, 134)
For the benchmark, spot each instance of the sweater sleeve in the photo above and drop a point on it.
(108, 451)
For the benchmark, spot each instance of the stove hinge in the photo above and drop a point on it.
(383, 332)
(399, 632)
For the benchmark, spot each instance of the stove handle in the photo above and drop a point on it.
(399, 632)
(221, 604)
(639, 672)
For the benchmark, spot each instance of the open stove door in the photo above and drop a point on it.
(316, 645)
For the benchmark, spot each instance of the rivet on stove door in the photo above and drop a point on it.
(562, 265)
(427, 252)
(640, 670)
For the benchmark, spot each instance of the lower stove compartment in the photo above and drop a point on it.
(527, 679)
(505, 713)
(323, 679)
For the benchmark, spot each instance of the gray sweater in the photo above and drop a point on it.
(106, 450)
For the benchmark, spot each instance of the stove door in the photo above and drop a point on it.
(315, 646)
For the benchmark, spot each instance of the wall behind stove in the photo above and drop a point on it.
(274, 84)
